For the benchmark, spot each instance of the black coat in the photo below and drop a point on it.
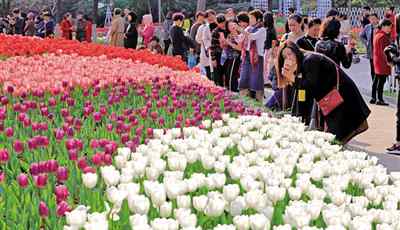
(318, 79)
(336, 51)
(131, 36)
(180, 43)
(307, 43)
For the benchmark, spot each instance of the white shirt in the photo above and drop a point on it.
(203, 37)
(259, 36)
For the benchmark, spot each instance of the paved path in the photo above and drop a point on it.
(381, 133)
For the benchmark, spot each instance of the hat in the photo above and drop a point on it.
(332, 13)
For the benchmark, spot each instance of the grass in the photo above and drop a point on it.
(388, 93)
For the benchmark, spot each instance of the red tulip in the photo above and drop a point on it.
(4, 100)
(41, 180)
(43, 209)
(179, 117)
(62, 174)
(62, 208)
(82, 163)
(107, 159)
(22, 180)
(97, 159)
(149, 132)
(61, 192)
(97, 117)
(4, 156)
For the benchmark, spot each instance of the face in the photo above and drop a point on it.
(129, 18)
(294, 26)
(179, 23)
(221, 25)
(211, 18)
(374, 20)
(200, 19)
(126, 11)
(253, 20)
(290, 65)
(232, 27)
(314, 30)
(387, 29)
(243, 25)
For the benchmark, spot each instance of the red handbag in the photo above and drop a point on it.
(332, 100)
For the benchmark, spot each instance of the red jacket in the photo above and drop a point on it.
(88, 33)
(381, 41)
(66, 29)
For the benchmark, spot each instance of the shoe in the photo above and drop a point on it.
(372, 101)
(395, 147)
(382, 103)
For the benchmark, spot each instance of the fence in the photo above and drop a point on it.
(354, 14)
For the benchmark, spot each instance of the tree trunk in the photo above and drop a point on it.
(95, 11)
(201, 5)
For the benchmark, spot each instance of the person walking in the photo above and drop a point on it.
(80, 28)
(88, 28)
(180, 43)
(166, 27)
(66, 27)
(148, 31)
(200, 17)
(117, 29)
(367, 38)
(218, 36)
(344, 118)
(329, 46)
(30, 29)
(382, 67)
(230, 59)
(251, 73)
(271, 42)
(203, 37)
(131, 33)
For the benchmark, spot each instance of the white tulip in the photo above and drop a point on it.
(77, 217)
(224, 227)
(138, 220)
(97, 221)
(259, 222)
(207, 161)
(159, 195)
(206, 124)
(183, 201)
(219, 179)
(237, 206)
(282, 227)
(252, 198)
(166, 209)
(110, 175)
(335, 227)
(231, 191)
(116, 196)
(219, 167)
(89, 180)
(294, 193)
(275, 193)
(120, 161)
(215, 207)
(139, 204)
(242, 222)
(200, 202)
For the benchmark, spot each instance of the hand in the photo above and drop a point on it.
(348, 49)
(191, 49)
(214, 63)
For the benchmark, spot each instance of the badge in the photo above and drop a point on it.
(302, 95)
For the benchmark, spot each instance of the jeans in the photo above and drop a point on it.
(371, 64)
(379, 83)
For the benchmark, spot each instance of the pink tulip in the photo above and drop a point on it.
(107, 159)
(4, 100)
(73, 154)
(41, 180)
(94, 144)
(9, 132)
(43, 209)
(2, 176)
(61, 192)
(62, 208)
(82, 163)
(97, 159)
(149, 132)
(89, 169)
(4, 156)
(22, 180)
(62, 174)
(59, 134)
(97, 117)
(161, 121)
(52, 166)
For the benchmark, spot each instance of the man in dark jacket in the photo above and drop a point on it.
(367, 38)
(180, 43)
(19, 25)
(218, 36)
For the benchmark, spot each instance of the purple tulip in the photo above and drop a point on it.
(34, 169)
(59, 134)
(62, 174)
(43, 209)
(62, 208)
(61, 192)
(22, 180)
(4, 156)
(41, 180)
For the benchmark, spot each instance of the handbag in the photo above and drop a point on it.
(333, 99)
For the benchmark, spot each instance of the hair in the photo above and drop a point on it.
(292, 10)
(281, 60)
(366, 8)
(314, 21)
(16, 11)
(243, 17)
(257, 14)
(117, 11)
(210, 11)
(177, 17)
(227, 24)
(230, 9)
(87, 18)
(221, 18)
(269, 20)
(384, 22)
(305, 20)
(155, 38)
(66, 15)
(391, 8)
(330, 29)
(200, 13)
(332, 13)
(133, 16)
(374, 15)
(296, 17)
(169, 15)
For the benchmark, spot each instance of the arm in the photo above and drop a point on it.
(345, 58)
(260, 34)
(363, 36)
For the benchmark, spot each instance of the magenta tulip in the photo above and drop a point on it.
(59, 134)
(73, 154)
(61, 192)
(52, 166)
(9, 132)
(4, 156)
(107, 159)
(82, 163)
(97, 159)
(43, 209)
(22, 180)
(62, 208)
(149, 132)
(62, 174)
(89, 170)
(34, 169)
(41, 180)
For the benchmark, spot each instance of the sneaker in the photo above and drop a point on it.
(372, 101)
(395, 147)
(382, 103)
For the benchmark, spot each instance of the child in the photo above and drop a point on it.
(154, 46)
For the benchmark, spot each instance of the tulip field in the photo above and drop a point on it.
(96, 137)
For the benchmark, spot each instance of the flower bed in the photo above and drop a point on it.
(26, 46)
(240, 173)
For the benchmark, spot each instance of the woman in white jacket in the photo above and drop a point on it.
(203, 37)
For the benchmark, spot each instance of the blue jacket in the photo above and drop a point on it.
(367, 38)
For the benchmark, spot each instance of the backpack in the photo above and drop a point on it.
(326, 47)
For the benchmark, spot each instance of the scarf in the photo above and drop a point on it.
(253, 46)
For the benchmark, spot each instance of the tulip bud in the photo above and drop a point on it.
(62, 174)
(22, 180)
(73, 154)
(82, 163)
(89, 180)
(4, 156)
(61, 192)
(9, 132)
(2, 176)
(107, 159)
(97, 159)
(43, 209)
(41, 180)
(18, 146)
(62, 208)
(52, 166)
